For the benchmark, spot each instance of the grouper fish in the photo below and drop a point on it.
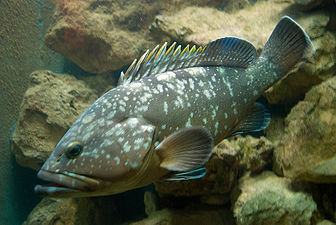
(169, 110)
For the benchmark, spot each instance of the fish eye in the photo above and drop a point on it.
(74, 150)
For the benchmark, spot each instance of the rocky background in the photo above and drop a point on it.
(285, 176)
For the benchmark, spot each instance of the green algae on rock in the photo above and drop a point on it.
(267, 199)
(307, 149)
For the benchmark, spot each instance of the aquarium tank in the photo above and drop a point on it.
(175, 112)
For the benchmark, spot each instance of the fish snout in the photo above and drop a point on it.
(64, 182)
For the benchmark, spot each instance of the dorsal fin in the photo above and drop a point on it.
(228, 51)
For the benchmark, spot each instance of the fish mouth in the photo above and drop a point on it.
(65, 184)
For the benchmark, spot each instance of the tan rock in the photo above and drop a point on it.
(268, 199)
(49, 107)
(68, 211)
(307, 149)
(104, 36)
(255, 153)
(201, 216)
(202, 25)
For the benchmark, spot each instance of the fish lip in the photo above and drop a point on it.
(64, 182)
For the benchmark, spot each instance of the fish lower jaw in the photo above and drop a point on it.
(65, 184)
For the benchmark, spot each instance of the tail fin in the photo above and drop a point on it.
(288, 44)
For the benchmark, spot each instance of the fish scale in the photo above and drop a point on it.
(169, 110)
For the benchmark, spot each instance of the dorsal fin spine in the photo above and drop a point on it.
(229, 51)
(161, 51)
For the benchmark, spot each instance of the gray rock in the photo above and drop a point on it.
(49, 107)
(268, 199)
(307, 149)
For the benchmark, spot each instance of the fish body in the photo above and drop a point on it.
(169, 111)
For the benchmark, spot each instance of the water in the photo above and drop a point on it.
(95, 40)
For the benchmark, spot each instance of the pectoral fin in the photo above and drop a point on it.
(185, 150)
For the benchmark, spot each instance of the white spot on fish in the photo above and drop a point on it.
(207, 94)
(126, 147)
(135, 85)
(165, 107)
(108, 156)
(160, 87)
(117, 160)
(216, 127)
(235, 111)
(134, 164)
(166, 76)
(88, 118)
(191, 82)
(188, 124)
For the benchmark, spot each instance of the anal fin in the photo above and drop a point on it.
(188, 175)
(258, 119)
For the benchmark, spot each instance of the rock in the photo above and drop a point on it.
(104, 36)
(268, 199)
(209, 216)
(307, 148)
(325, 197)
(325, 222)
(308, 4)
(235, 5)
(49, 107)
(151, 202)
(62, 211)
(255, 153)
(201, 25)
(95, 38)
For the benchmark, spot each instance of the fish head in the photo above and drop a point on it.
(97, 158)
